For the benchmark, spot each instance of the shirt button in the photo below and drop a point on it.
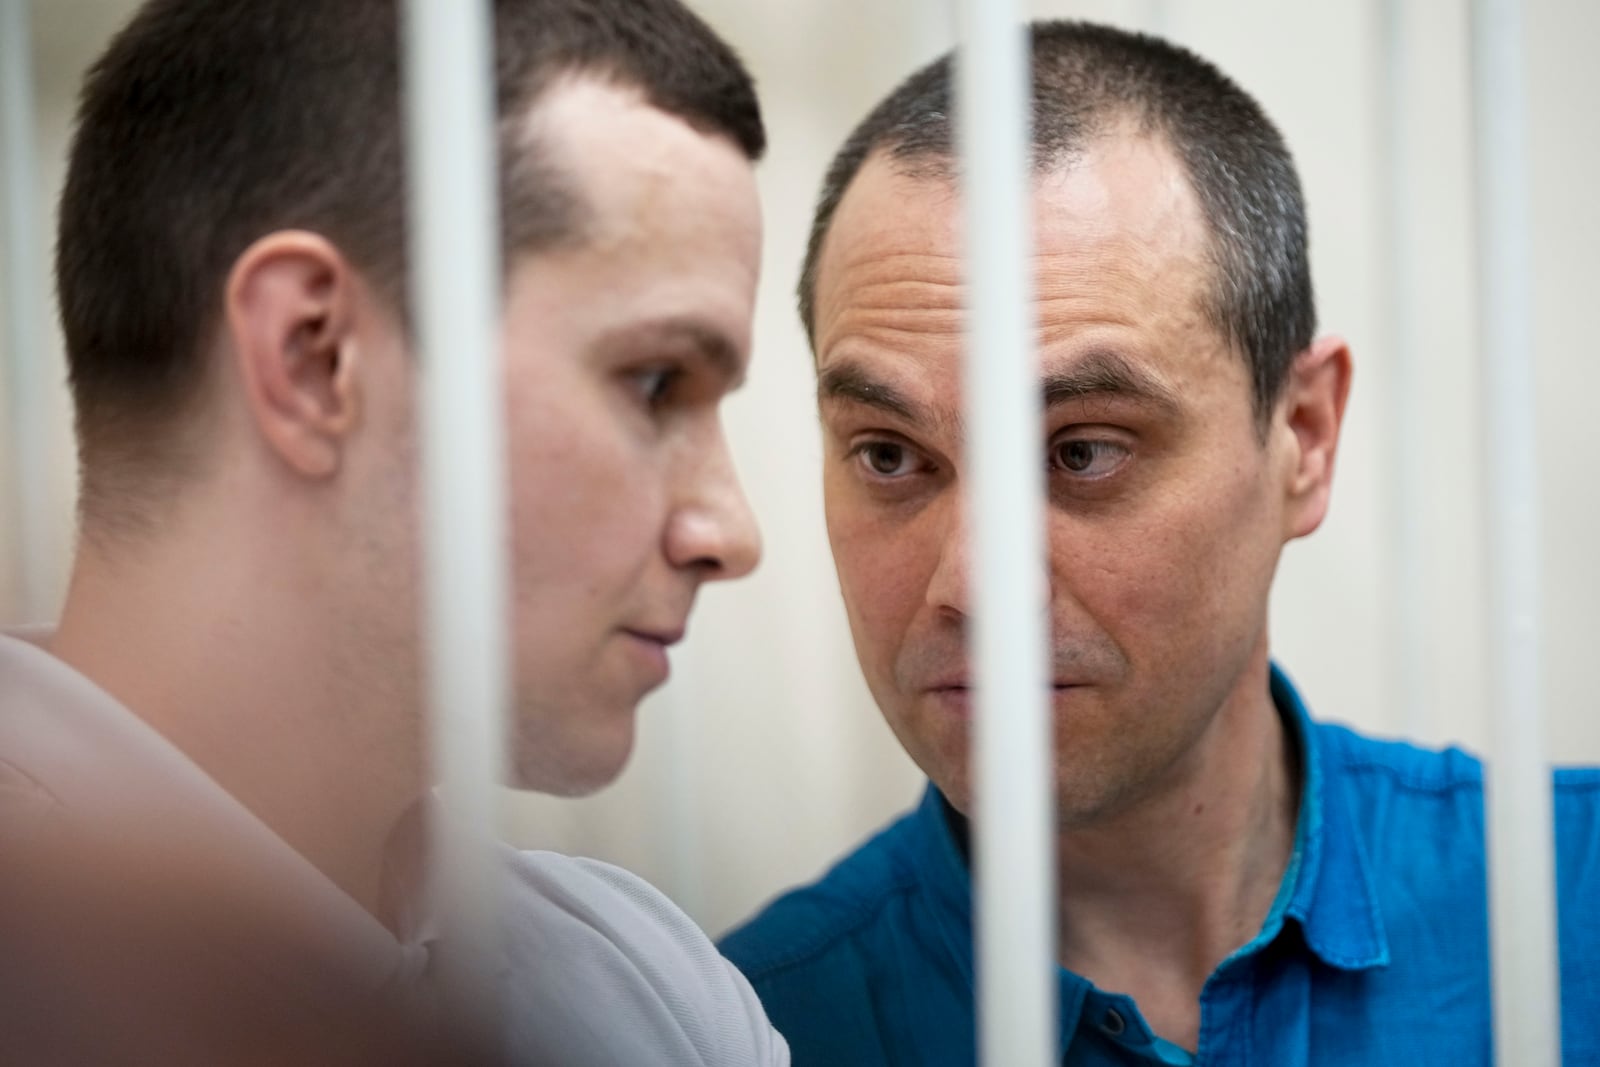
(1113, 1023)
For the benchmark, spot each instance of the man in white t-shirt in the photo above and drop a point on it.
(213, 768)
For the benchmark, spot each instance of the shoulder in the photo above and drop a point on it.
(1399, 765)
(604, 968)
(1394, 794)
(1404, 825)
(1578, 786)
(1414, 815)
(1424, 808)
(852, 965)
(823, 925)
(608, 902)
(1577, 817)
(1421, 816)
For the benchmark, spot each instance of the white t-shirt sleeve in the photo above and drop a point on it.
(603, 969)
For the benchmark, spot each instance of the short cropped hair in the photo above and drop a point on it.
(1093, 81)
(210, 123)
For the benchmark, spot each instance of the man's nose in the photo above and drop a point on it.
(712, 529)
(948, 586)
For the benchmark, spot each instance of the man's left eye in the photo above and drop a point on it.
(1086, 457)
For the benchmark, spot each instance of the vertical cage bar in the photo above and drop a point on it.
(1520, 834)
(1405, 474)
(23, 356)
(1014, 846)
(456, 279)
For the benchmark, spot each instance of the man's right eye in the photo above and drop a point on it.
(885, 459)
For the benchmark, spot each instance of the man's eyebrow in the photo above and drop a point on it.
(1099, 373)
(1103, 372)
(714, 346)
(851, 383)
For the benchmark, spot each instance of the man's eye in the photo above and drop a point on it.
(654, 383)
(885, 458)
(1086, 457)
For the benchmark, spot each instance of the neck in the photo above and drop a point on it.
(1155, 898)
(240, 662)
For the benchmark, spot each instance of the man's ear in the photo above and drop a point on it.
(1312, 408)
(290, 313)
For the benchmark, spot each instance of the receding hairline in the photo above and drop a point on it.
(537, 139)
(1087, 78)
(900, 150)
(939, 173)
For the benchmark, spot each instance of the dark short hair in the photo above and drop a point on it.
(1091, 81)
(210, 123)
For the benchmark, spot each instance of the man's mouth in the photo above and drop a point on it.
(664, 636)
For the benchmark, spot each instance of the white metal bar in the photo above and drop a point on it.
(1520, 834)
(1013, 766)
(24, 355)
(686, 771)
(456, 284)
(1406, 472)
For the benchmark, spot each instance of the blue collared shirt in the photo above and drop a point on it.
(1375, 952)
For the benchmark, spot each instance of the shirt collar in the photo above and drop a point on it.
(1327, 889)
(1331, 895)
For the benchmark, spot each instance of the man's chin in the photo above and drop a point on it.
(954, 784)
(570, 769)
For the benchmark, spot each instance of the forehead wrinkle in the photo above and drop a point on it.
(894, 317)
(1111, 256)
(1078, 296)
(877, 263)
(1063, 314)
(885, 310)
(874, 289)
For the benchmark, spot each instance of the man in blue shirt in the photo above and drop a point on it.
(1238, 885)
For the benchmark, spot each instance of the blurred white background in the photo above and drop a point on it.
(764, 758)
